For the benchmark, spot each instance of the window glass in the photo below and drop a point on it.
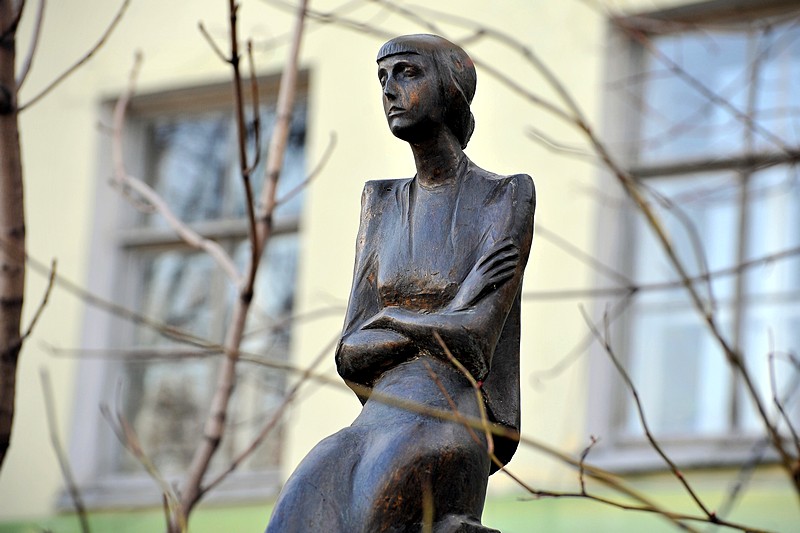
(777, 109)
(697, 212)
(679, 121)
(164, 388)
(717, 125)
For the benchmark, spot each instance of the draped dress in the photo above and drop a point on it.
(448, 259)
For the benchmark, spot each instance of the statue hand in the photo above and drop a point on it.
(494, 268)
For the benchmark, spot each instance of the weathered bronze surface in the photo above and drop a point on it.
(441, 252)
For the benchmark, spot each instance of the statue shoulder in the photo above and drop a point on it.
(377, 192)
(517, 188)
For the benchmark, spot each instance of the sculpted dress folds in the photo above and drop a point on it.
(443, 252)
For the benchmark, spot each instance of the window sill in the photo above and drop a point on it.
(138, 491)
(633, 456)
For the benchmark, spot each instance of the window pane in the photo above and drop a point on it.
(166, 403)
(774, 228)
(676, 364)
(772, 315)
(196, 165)
(293, 172)
(679, 121)
(679, 372)
(260, 389)
(771, 328)
(778, 109)
(698, 213)
(176, 289)
(190, 158)
(268, 325)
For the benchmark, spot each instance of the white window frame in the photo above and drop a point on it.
(607, 393)
(109, 264)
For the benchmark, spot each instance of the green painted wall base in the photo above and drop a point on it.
(771, 510)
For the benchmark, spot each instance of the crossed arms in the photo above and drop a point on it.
(378, 338)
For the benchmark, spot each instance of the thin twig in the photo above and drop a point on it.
(63, 460)
(428, 509)
(591, 471)
(280, 132)
(311, 175)
(114, 308)
(476, 387)
(601, 292)
(45, 297)
(134, 354)
(241, 137)
(723, 103)
(560, 147)
(581, 347)
(88, 55)
(256, 108)
(212, 43)
(508, 81)
(128, 437)
(605, 343)
(453, 407)
(582, 256)
(584, 455)
(37, 28)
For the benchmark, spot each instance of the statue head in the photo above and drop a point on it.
(454, 73)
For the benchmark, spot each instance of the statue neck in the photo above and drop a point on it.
(437, 159)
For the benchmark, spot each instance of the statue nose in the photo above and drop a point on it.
(389, 89)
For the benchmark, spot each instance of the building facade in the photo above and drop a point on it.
(694, 100)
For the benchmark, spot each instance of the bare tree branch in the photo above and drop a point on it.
(560, 147)
(605, 343)
(212, 43)
(11, 22)
(127, 436)
(37, 28)
(244, 166)
(260, 232)
(63, 460)
(43, 303)
(633, 289)
(256, 109)
(311, 175)
(12, 225)
(56, 82)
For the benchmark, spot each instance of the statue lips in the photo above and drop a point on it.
(395, 111)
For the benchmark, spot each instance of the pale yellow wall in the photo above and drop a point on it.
(62, 166)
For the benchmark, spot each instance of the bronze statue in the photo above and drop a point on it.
(441, 252)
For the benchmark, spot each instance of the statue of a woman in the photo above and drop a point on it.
(441, 252)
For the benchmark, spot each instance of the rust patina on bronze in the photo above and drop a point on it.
(443, 252)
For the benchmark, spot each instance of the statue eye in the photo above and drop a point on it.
(410, 71)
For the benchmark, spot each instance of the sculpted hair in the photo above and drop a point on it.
(456, 73)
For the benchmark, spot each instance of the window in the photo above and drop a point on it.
(185, 143)
(711, 103)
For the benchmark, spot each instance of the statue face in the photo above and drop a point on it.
(412, 99)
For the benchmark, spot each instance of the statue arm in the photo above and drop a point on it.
(472, 322)
(364, 354)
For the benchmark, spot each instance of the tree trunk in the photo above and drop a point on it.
(12, 225)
